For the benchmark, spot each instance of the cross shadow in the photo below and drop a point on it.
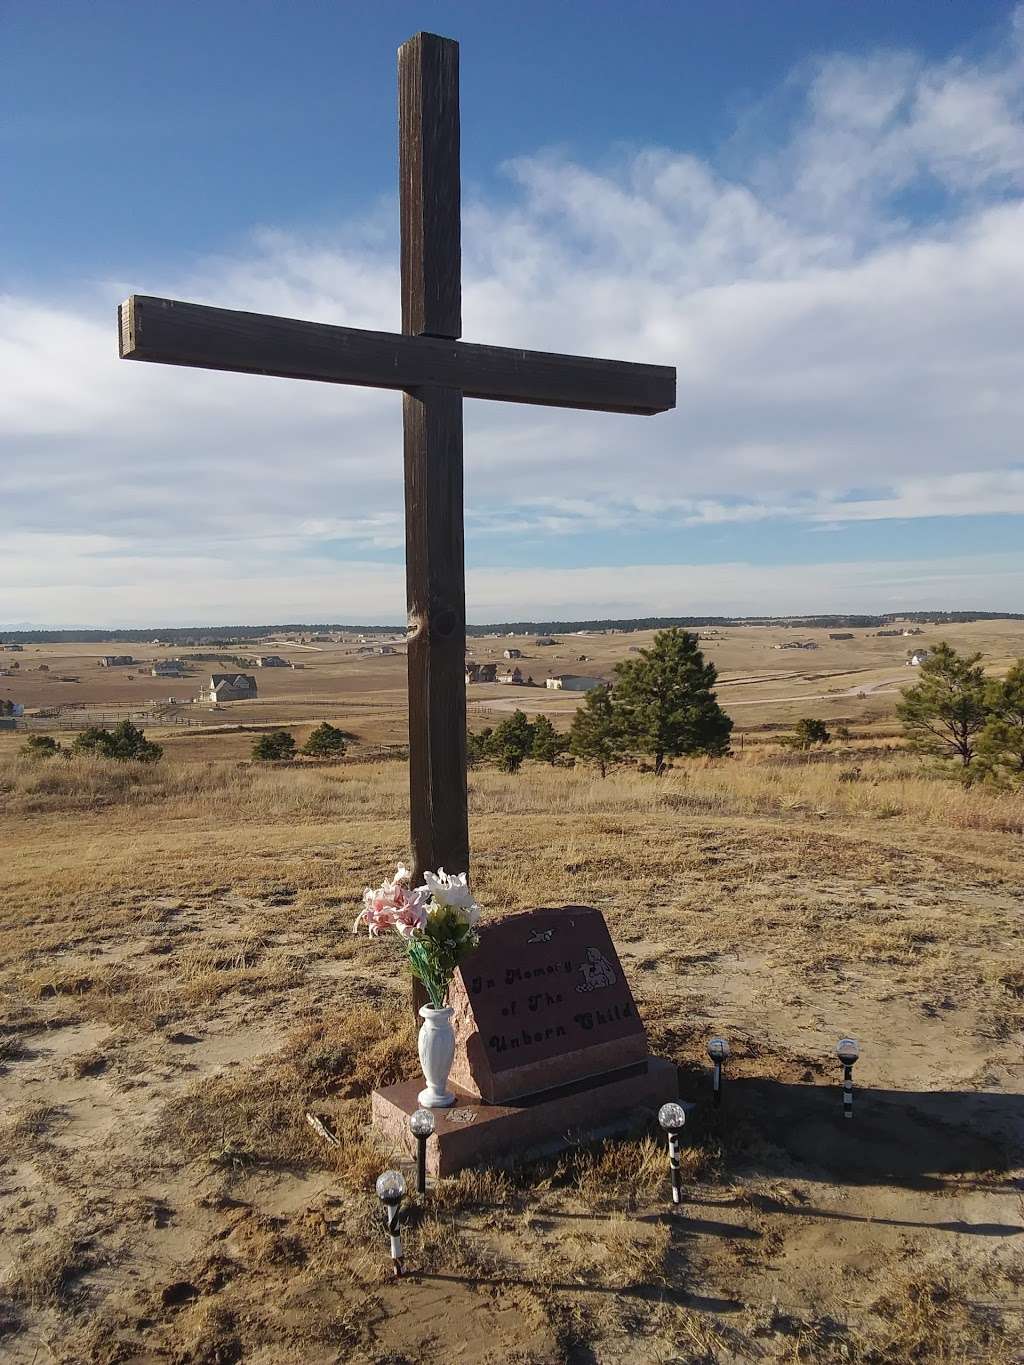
(920, 1140)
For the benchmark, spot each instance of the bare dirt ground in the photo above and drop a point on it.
(179, 986)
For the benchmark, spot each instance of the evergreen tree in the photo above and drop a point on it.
(595, 736)
(946, 709)
(807, 734)
(666, 702)
(1001, 742)
(40, 746)
(126, 741)
(478, 745)
(275, 746)
(511, 742)
(326, 741)
(547, 742)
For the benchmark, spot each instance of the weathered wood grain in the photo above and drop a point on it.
(170, 332)
(429, 186)
(435, 577)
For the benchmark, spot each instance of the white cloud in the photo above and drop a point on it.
(840, 359)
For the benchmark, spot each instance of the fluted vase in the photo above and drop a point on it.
(437, 1052)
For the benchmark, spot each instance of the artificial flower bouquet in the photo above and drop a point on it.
(436, 923)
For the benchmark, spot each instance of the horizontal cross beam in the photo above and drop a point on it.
(174, 333)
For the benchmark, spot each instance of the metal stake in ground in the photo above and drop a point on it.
(391, 1192)
(422, 1125)
(718, 1050)
(847, 1051)
(672, 1117)
(436, 371)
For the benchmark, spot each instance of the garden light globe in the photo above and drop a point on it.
(718, 1049)
(422, 1123)
(848, 1051)
(671, 1117)
(391, 1187)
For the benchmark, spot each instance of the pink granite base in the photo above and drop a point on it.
(472, 1131)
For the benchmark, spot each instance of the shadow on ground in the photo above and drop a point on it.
(921, 1140)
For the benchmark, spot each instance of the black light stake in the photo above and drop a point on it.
(847, 1051)
(718, 1050)
(391, 1192)
(672, 1117)
(422, 1125)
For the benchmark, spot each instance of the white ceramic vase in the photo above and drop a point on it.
(437, 1052)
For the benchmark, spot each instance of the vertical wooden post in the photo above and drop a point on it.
(428, 99)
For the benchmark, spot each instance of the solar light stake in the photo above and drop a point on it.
(847, 1051)
(718, 1050)
(422, 1125)
(391, 1192)
(672, 1117)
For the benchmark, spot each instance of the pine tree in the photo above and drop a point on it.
(807, 734)
(41, 746)
(1001, 742)
(946, 709)
(478, 745)
(547, 742)
(595, 736)
(512, 741)
(273, 747)
(326, 741)
(126, 741)
(666, 702)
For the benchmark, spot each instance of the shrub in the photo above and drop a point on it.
(125, 741)
(276, 746)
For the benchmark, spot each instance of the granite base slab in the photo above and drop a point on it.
(472, 1131)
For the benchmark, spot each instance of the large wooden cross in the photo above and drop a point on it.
(435, 371)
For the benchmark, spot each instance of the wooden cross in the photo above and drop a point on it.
(435, 371)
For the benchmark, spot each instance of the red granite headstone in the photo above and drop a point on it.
(542, 1002)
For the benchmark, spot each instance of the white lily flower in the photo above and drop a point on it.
(446, 889)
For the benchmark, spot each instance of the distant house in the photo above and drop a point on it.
(840, 635)
(166, 668)
(515, 677)
(512, 653)
(472, 673)
(384, 649)
(897, 631)
(917, 658)
(13, 649)
(573, 682)
(231, 687)
(270, 661)
(115, 660)
(488, 673)
(545, 640)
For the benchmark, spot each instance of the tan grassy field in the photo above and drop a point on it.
(853, 680)
(179, 986)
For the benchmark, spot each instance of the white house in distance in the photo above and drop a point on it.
(573, 682)
(917, 658)
(513, 677)
(166, 668)
(512, 653)
(270, 661)
(230, 687)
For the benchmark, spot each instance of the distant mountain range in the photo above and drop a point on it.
(25, 632)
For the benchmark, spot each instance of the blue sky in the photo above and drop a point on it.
(813, 210)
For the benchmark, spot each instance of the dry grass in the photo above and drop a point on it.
(180, 955)
(762, 782)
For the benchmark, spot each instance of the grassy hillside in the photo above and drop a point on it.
(179, 986)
